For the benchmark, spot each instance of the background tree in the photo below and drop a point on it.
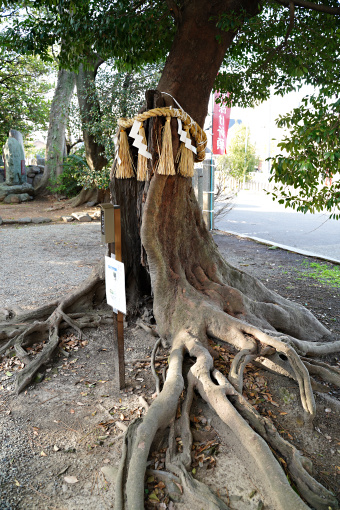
(309, 167)
(241, 158)
(55, 144)
(24, 86)
(197, 296)
(103, 96)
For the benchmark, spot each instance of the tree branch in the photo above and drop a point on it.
(311, 5)
(174, 10)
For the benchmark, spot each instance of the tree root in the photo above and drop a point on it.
(22, 329)
(153, 369)
(197, 297)
(253, 431)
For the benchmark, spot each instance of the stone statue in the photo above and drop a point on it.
(14, 156)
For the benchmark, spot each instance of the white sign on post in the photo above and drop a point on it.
(115, 284)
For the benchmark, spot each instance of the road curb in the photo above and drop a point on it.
(281, 246)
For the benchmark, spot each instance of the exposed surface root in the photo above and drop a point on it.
(198, 296)
(75, 310)
(153, 370)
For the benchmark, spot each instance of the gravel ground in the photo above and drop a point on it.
(41, 263)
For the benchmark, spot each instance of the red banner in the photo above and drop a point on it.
(221, 118)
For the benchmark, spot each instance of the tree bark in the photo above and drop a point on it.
(55, 146)
(90, 111)
(198, 296)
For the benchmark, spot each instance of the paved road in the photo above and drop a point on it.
(255, 214)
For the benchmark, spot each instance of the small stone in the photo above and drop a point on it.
(12, 199)
(24, 220)
(82, 216)
(327, 410)
(235, 499)
(33, 169)
(67, 219)
(95, 215)
(110, 473)
(25, 197)
(41, 220)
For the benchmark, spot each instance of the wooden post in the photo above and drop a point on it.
(118, 318)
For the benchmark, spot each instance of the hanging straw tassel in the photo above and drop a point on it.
(185, 159)
(125, 166)
(166, 164)
(142, 164)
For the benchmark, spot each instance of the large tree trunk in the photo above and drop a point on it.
(198, 296)
(55, 146)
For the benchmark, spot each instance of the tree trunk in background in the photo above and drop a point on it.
(55, 146)
(89, 111)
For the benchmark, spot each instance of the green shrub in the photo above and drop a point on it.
(77, 175)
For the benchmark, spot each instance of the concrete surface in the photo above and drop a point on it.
(256, 215)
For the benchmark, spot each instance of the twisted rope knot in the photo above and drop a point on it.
(195, 130)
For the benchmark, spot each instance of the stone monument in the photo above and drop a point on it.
(15, 159)
(15, 189)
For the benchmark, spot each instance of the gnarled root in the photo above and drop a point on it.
(198, 296)
(23, 329)
(255, 433)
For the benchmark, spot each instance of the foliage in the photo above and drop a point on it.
(134, 33)
(118, 94)
(23, 92)
(241, 157)
(67, 183)
(312, 158)
(77, 174)
(280, 49)
(327, 274)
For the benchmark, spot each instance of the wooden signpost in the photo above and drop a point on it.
(111, 235)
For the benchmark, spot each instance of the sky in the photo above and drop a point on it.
(261, 120)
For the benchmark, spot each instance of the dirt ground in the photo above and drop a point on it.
(61, 439)
(46, 207)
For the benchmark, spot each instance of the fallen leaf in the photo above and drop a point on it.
(72, 411)
(153, 497)
(71, 479)
(17, 483)
(63, 470)
(56, 448)
(80, 404)
(43, 454)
